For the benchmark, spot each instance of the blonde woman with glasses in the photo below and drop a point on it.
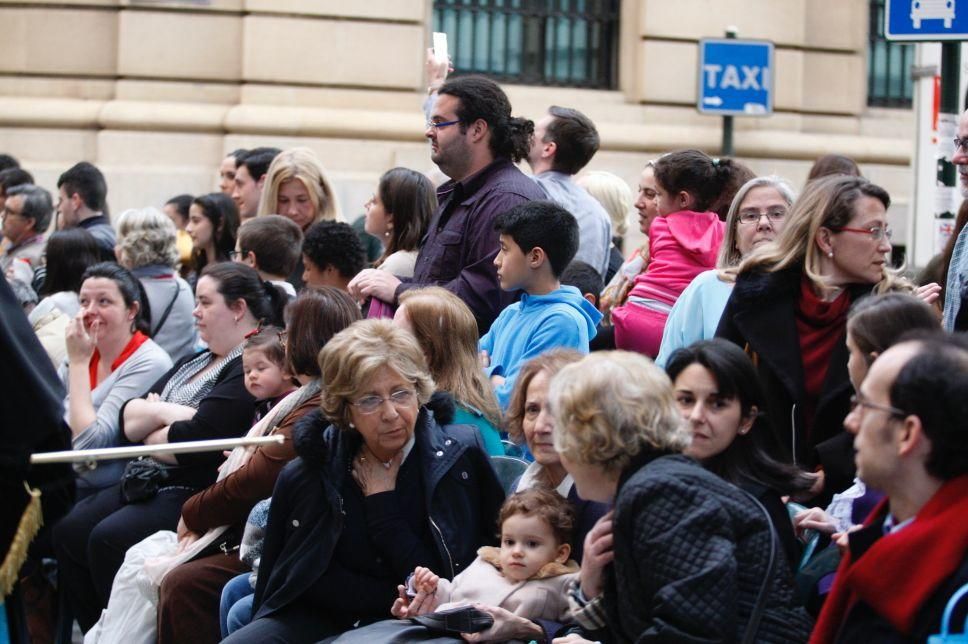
(789, 311)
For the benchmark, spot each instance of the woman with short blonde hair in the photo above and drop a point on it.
(349, 361)
(676, 530)
(296, 187)
(613, 407)
(384, 484)
(316, 202)
(146, 237)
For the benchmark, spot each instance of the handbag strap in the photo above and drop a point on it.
(164, 316)
(753, 626)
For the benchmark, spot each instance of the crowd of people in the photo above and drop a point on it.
(498, 423)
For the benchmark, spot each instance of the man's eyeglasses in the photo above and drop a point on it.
(753, 216)
(960, 144)
(877, 233)
(858, 401)
(436, 125)
(372, 404)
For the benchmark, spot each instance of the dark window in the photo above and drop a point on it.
(889, 63)
(570, 43)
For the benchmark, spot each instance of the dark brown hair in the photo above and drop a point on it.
(878, 321)
(267, 341)
(575, 137)
(410, 197)
(740, 176)
(698, 174)
(482, 98)
(276, 242)
(314, 317)
(550, 361)
(833, 164)
(546, 505)
(224, 215)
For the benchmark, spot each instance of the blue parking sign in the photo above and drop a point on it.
(735, 77)
(926, 20)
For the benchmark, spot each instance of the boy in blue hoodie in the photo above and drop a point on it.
(537, 241)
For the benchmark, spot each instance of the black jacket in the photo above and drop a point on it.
(462, 493)
(691, 553)
(760, 317)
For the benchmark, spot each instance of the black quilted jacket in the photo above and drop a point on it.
(691, 552)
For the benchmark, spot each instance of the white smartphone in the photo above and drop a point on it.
(440, 47)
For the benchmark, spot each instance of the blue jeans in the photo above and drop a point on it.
(235, 609)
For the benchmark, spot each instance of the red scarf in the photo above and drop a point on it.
(136, 341)
(901, 571)
(820, 326)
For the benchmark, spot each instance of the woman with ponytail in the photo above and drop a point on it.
(202, 397)
(684, 241)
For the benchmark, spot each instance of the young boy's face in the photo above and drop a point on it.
(528, 544)
(264, 379)
(512, 265)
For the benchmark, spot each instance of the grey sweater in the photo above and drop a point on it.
(132, 379)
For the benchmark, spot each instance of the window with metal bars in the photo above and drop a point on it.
(566, 43)
(889, 82)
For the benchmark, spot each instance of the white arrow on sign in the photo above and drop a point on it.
(712, 100)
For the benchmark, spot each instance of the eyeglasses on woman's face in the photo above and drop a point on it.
(877, 233)
(371, 404)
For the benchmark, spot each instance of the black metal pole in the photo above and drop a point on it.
(950, 63)
(726, 149)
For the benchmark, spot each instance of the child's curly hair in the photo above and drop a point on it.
(545, 504)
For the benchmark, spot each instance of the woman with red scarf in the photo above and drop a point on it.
(110, 360)
(788, 310)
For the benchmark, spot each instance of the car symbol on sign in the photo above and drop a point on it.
(932, 10)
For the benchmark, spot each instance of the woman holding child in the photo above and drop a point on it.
(201, 397)
(189, 595)
(387, 487)
(621, 436)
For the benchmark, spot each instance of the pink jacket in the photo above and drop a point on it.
(681, 245)
(541, 597)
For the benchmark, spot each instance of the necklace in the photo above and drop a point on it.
(386, 464)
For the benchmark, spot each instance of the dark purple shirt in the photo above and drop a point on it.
(459, 249)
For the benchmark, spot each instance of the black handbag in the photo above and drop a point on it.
(142, 479)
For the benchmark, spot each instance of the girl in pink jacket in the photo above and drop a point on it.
(684, 241)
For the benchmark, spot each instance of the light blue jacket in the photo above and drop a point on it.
(695, 315)
(537, 323)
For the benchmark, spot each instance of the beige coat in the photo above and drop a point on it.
(541, 597)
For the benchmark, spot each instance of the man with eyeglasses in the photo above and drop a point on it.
(26, 215)
(475, 141)
(899, 570)
(956, 283)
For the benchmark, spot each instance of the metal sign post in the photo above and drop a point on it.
(735, 78)
(943, 21)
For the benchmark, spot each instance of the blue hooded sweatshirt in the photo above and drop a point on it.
(535, 324)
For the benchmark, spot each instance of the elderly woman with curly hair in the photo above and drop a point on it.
(690, 557)
(147, 246)
(384, 486)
